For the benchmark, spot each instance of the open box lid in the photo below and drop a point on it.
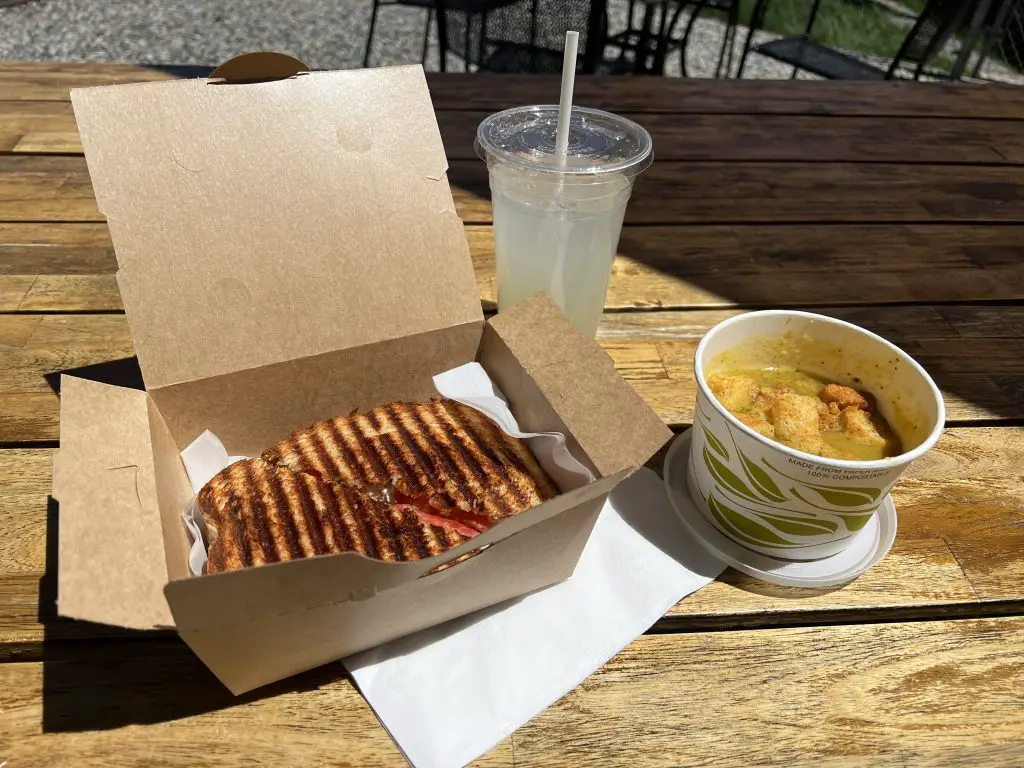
(260, 220)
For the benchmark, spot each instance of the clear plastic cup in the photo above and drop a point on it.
(556, 227)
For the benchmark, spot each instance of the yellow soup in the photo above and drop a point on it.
(806, 412)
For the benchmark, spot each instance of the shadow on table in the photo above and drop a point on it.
(750, 584)
(181, 70)
(121, 373)
(130, 677)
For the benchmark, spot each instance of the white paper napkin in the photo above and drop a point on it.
(450, 693)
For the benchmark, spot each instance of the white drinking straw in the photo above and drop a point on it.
(572, 41)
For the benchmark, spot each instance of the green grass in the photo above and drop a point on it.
(867, 28)
(848, 26)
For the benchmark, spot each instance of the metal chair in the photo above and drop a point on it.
(521, 35)
(993, 35)
(429, 5)
(651, 48)
(936, 24)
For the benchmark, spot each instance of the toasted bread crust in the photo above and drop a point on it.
(453, 453)
(450, 472)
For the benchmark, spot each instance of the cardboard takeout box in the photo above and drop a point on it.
(288, 250)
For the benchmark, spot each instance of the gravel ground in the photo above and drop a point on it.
(326, 34)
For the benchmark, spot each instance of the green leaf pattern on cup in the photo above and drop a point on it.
(841, 511)
(726, 477)
(746, 528)
(837, 497)
(716, 444)
(847, 497)
(760, 479)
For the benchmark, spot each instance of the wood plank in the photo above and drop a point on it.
(713, 192)
(156, 704)
(57, 188)
(922, 693)
(24, 491)
(69, 267)
(33, 349)
(53, 80)
(487, 92)
(38, 127)
(29, 418)
(49, 127)
(36, 188)
(960, 548)
(926, 693)
(971, 351)
(765, 266)
(797, 138)
(57, 268)
(56, 249)
(62, 293)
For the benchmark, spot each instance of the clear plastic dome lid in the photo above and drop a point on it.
(599, 142)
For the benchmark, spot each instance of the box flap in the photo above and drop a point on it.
(575, 379)
(246, 655)
(252, 594)
(257, 67)
(261, 222)
(111, 565)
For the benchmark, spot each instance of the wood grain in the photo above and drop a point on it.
(57, 188)
(960, 547)
(49, 128)
(797, 138)
(971, 351)
(716, 192)
(41, 127)
(489, 93)
(922, 693)
(69, 267)
(57, 268)
(896, 694)
(38, 188)
(98, 707)
(51, 81)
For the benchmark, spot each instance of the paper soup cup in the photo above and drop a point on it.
(780, 501)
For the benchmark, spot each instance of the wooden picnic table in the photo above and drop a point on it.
(898, 206)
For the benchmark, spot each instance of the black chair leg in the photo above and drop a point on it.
(807, 33)
(369, 35)
(993, 36)
(442, 38)
(426, 36)
(756, 22)
(661, 46)
(728, 40)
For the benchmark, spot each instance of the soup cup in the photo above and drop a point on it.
(780, 501)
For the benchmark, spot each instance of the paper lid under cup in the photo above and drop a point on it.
(599, 142)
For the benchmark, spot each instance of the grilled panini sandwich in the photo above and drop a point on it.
(402, 482)
(257, 513)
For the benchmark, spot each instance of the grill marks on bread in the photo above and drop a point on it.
(258, 513)
(452, 453)
(451, 470)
